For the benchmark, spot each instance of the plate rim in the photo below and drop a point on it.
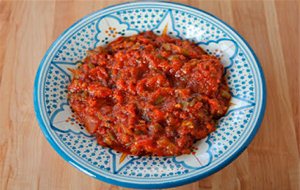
(163, 184)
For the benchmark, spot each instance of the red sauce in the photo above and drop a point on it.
(149, 94)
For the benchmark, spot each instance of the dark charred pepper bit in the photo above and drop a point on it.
(225, 94)
(192, 103)
(185, 52)
(91, 65)
(155, 128)
(160, 56)
(184, 104)
(159, 100)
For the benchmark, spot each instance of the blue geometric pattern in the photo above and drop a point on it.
(75, 47)
(234, 131)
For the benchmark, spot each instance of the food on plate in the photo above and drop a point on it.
(149, 94)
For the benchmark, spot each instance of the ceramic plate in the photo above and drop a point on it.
(234, 131)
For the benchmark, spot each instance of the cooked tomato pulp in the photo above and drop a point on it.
(149, 94)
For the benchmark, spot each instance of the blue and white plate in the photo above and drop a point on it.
(234, 131)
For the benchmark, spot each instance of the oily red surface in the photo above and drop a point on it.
(149, 94)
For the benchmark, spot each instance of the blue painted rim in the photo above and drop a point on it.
(163, 184)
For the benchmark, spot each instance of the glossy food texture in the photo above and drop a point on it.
(149, 94)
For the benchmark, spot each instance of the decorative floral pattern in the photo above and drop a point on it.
(224, 49)
(199, 159)
(59, 124)
(109, 28)
(64, 120)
